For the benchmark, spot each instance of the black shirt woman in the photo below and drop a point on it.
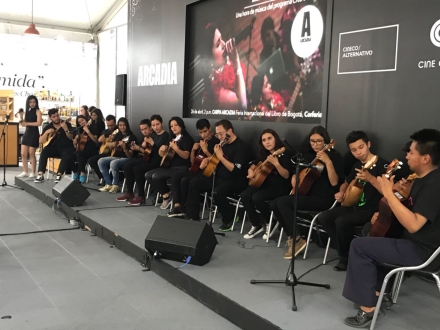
(320, 197)
(98, 119)
(29, 144)
(276, 184)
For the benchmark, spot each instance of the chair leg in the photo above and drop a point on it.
(437, 280)
(236, 213)
(242, 225)
(396, 286)
(147, 188)
(123, 186)
(326, 251)
(379, 300)
(215, 213)
(205, 198)
(270, 226)
(308, 237)
(157, 198)
(281, 237)
(134, 186)
(88, 173)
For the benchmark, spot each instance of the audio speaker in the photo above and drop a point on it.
(70, 192)
(177, 239)
(121, 89)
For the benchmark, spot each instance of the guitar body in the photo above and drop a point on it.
(105, 146)
(260, 174)
(353, 193)
(307, 178)
(167, 158)
(212, 165)
(81, 143)
(386, 224)
(195, 166)
(145, 156)
(51, 139)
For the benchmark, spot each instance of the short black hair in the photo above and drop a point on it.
(156, 117)
(145, 122)
(52, 112)
(354, 136)
(110, 117)
(407, 146)
(428, 143)
(202, 123)
(225, 123)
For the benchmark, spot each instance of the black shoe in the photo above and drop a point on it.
(362, 319)
(101, 183)
(226, 227)
(58, 179)
(341, 266)
(176, 212)
(39, 178)
(387, 302)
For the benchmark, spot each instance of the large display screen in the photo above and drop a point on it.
(255, 60)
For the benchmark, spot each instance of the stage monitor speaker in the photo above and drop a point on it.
(121, 89)
(70, 192)
(177, 239)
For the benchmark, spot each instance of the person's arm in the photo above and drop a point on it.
(37, 123)
(333, 177)
(276, 162)
(43, 136)
(90, 134)
(240, 86)
(194, 149)
(102, 138)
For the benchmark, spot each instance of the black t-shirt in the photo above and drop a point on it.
(62, 141)
(370, 197)
(274, 180)
(238, 153)
(159, 141)
(100, 125)
(424, 199)
(118, 137)
(90, 144)
(185, 143)
(211, 144)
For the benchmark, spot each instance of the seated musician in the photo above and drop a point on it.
(230, 178)
(176, 157)
(321, 194)
(97, 119)
(61, 145)
(110, 120)
(180, 180)
(121, 154)
(276, 184)
(89, 149)
(421, 235)
(134, 171)
(340, 222)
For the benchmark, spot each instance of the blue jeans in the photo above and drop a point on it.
(113, 164)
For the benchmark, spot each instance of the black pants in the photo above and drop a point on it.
(254, 199)
(180, 185)
(134, 171)
(283, 208)
(340, 223)
(64, 154)
(81, 158)
(93, 163)
(159, 176)
(223, 189)
(364, 278)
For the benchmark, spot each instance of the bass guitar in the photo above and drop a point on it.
(386, 224)
(213, 162)
(308, 176)
(169, 154)
(263, 169)
(105, 146)
(355, 189)
(200, 156)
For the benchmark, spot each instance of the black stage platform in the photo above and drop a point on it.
(223, 284)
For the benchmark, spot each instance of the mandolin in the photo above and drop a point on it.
(200, 156)
(354, 191)
(213, 161)
(105, 146)
(263, 169)
(308, 176)
(169, 154)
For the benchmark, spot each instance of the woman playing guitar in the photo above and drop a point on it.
(275, 185)
(320, 196)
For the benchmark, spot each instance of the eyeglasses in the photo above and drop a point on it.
(316, 141)
(220, 134)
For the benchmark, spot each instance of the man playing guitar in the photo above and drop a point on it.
(61, 145)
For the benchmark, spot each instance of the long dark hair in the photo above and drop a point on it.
(256, 89)
(181, 124)
(29, 98)
(262, 151)
(98, 112)
(321, 131)
(127, 125)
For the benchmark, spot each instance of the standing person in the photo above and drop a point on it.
(340, 222)
(98, 119)
(84, 111)
(121, 155)
(230, 178)
(30, 142)
(181, 143)
(61, 145)
(421, 235)
(320, 196)
(276, 184)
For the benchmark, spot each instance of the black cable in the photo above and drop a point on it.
(316, 267)
(242, 244)
(116, 207)
(40, 231)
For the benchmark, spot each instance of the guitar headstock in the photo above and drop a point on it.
(115, 132)
(279, 152)
(178, 137)
(305, 65)
(329, 146)
(370, 164)
(226, 139)
(393, 167)
(412, 177)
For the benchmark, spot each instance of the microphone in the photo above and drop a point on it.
(305, 165)
(246, 32)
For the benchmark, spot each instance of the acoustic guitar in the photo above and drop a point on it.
(169, 154)
(213, 162)
(200, 156)
(51, 138)
(355, 189)
(82, 139)
(105, 145)
(146, 153)
(386, 224)
(118, 147)
(263, 169)
(308, 176)
(305, 68)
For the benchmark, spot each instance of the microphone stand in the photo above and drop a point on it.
(3, 137)
(210, 205)
(291, 279)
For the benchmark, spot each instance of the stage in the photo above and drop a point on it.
(223, 284)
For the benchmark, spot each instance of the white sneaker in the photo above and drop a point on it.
(166, 203)
(32, 175)
(253, 232)
(23, 175)
(270, 234)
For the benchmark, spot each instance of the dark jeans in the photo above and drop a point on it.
(223, 189)
(180, 185)
(364, 278)
(134, 171)
(93, 163)
(81, 158)
(340, 223)
(64, 154)
(159, 176)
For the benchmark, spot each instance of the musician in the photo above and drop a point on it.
(89, 130)
(264, 99)
(320, 196)
(110, 121)
(29, 144)
(98, 119)
(340, 222)
(60, 147)
(180, 180)
(234, 158)
(275, 185)
(121, 155)
(421, 236)
(134, 171)
(181, 143)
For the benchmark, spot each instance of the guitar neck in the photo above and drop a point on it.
(294, 95)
